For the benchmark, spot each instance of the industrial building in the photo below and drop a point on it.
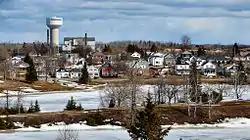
(71, 43)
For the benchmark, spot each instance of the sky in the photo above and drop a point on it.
(204, 21)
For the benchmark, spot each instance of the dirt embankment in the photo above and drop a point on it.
(177, 80)
(171, 114)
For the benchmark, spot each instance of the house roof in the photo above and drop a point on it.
(208, 62)
(97, 54)
(214, 57)
(21, 64)
(169, 55)
(62, 70)
(79, 38)
(187, 52)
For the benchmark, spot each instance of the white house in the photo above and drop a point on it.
(75, 73)
(209, 69)
(182, 69)
(93, 71)
(186, 55)
(232, 69)
(136, 55)
(247, 57)
(156, 60)
(79, 64)
(71, 58)
(138, 64)
(62, 73)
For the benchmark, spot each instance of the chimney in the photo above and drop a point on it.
(85, 39)
(47, 36)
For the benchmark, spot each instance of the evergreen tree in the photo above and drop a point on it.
(31, 74)
(132, 48)
(201, 51)
(31, 108)
(22, 110)
(154, 48)
(107, 49)
(71, 105)
(37, 107)
(112, 103)
(236, 50)
(148, 124)
(84, 79)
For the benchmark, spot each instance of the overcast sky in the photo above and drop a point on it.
(205, 21)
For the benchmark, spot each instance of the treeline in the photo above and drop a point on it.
(147, 44)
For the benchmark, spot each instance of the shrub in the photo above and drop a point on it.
(34, 122)
(2, 124)
(95, 119)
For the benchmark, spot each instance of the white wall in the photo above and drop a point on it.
(62, 75)
(93, 71)
(156, 61)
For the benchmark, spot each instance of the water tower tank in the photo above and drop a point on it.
(54, 23)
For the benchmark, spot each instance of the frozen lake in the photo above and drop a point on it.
(58, 101)
(185, 134)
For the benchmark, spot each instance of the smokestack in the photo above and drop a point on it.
(47, 36)
(85, 39)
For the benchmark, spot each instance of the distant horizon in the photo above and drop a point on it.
(206, 21)
(131, 41)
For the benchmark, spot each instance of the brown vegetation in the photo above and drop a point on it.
(171, 114)
(170, 79)
(39, 85)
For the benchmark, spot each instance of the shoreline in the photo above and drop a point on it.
(171, 115)
(227, 123)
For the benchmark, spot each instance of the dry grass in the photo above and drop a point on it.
(39, 85)
(176, 80)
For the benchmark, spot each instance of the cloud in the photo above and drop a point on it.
(206, 21)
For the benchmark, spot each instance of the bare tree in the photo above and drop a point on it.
(185, 40)
(212, 96)
(238, 79)
(164, 92)
(5, 61)
(67, 134)
(172, 91)
(134, 90)
(161, 91)
(115, 95)
(194, 81)
(186, 92)
(19, 99)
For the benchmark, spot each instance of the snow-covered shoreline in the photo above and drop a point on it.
(30, 91)
(231, 123)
